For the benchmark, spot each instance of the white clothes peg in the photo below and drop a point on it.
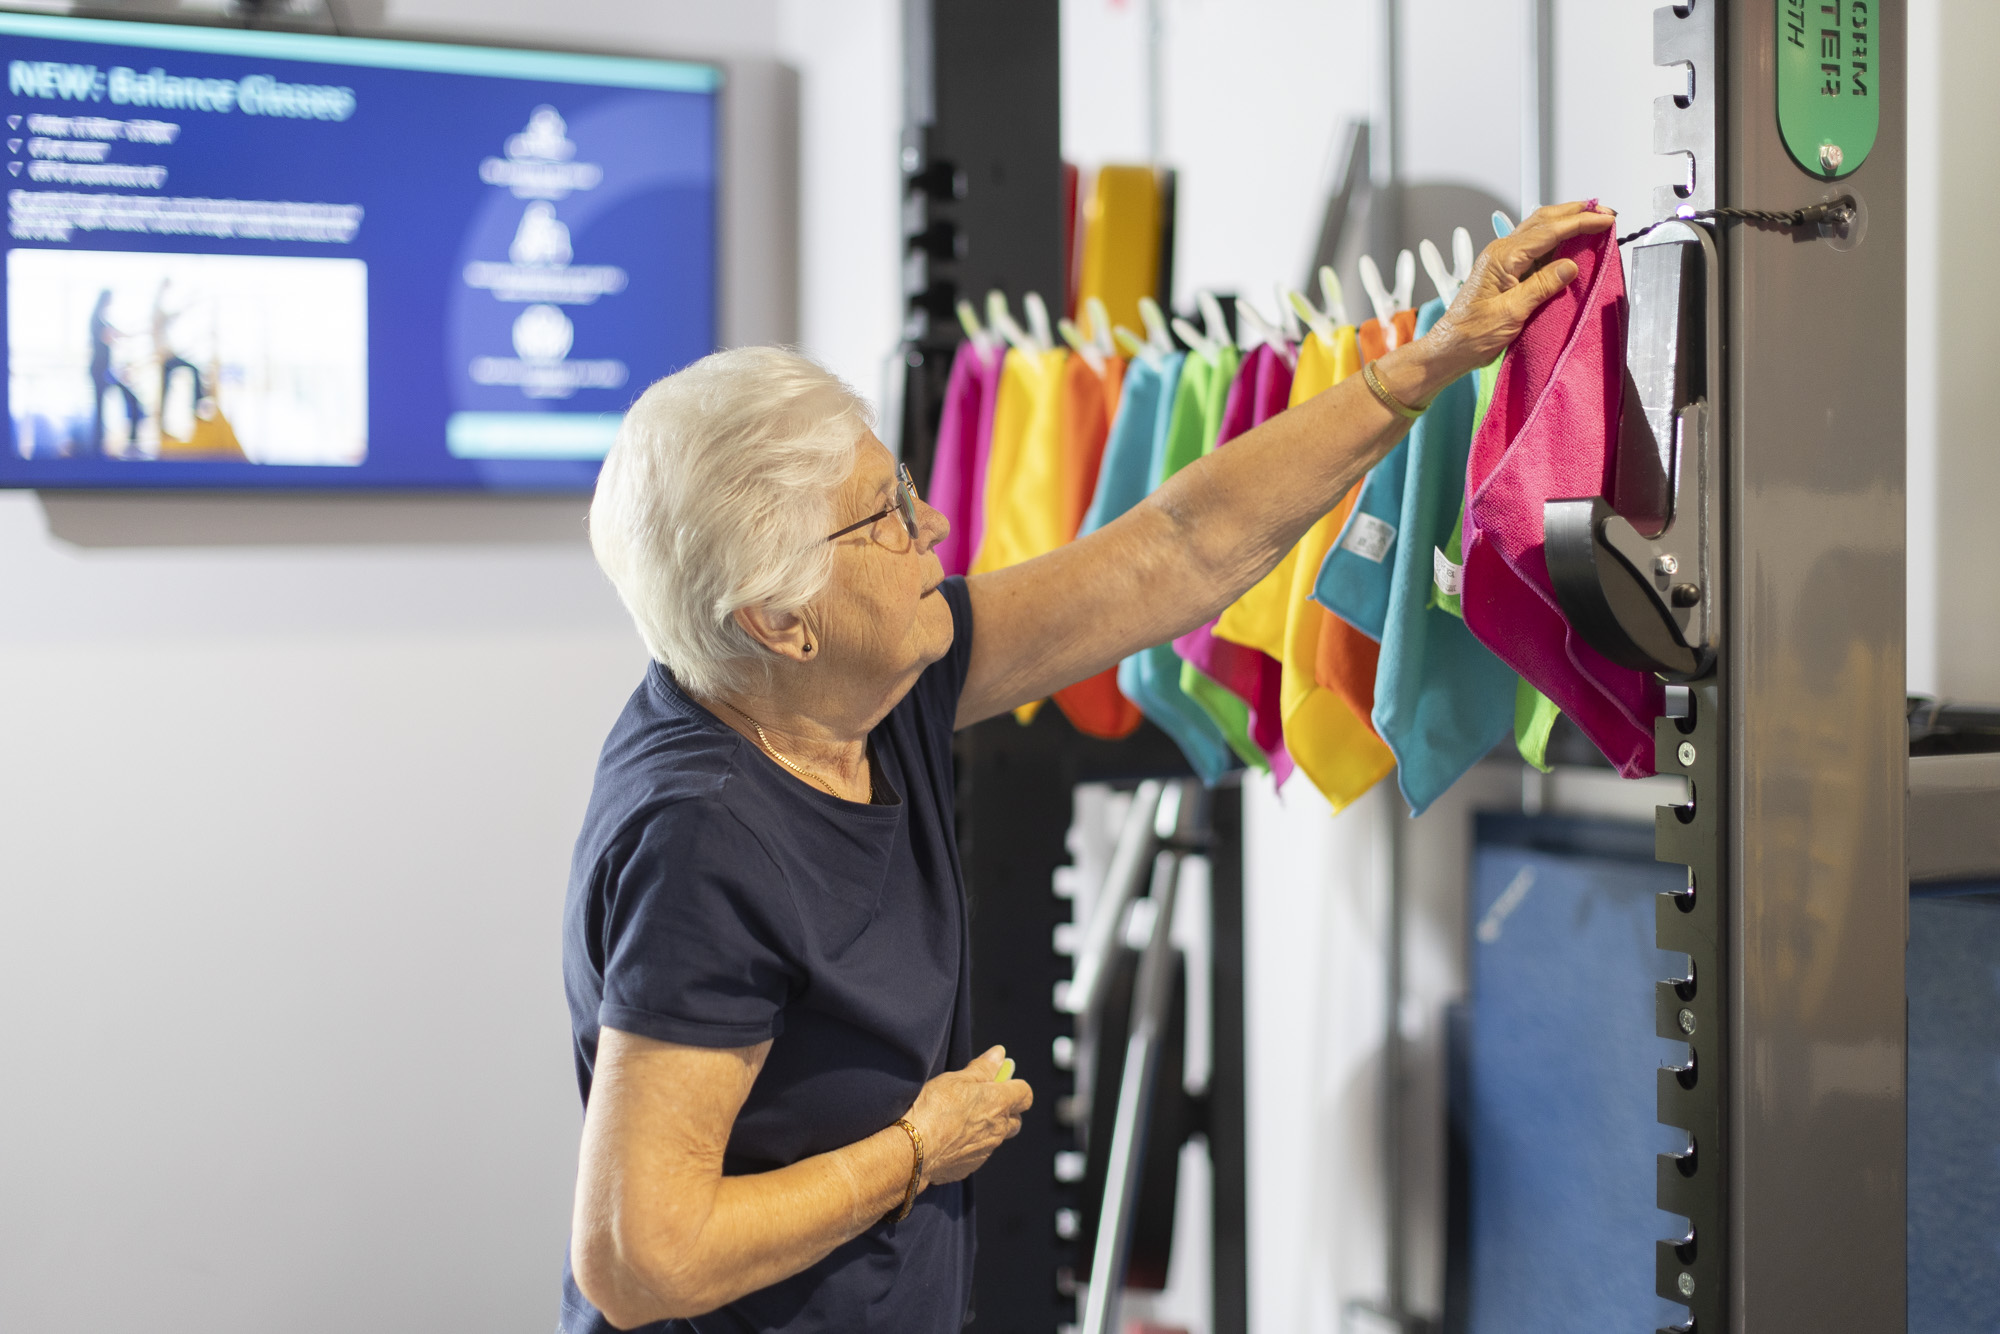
(1406, 280)
(968, 319)
(1003, 322)
(1316, 320)
(1100, 325)
(1213, 322)
(1288, 319)
(1330, 292)
(1156, 326)
(1448, 281)
(1137, 348)
(1038, 321)
(1379, 295)
(1081, 344)
(1198, 342)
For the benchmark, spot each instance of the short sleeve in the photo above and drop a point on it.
(701, 938)
(938, 689)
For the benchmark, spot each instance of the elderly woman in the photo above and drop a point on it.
(765, 942)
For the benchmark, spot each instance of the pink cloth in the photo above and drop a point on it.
(1552, 434)
(958, 468)
(1260, 391)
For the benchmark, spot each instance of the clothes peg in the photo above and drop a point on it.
(1003, 323)
(1198, 342)
(1448, 281)
(1137, 348)
(1038, 321)
(1406, 280)
(968, 320)
(1081, 344)
(1288, 319)
(1322, 327)
(1379, 295)
(1501, 226)
(1156, 326)
(1330, 292)
(1100, 325)
(1213, 321)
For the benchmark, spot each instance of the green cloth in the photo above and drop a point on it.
(1535, 715)
(1454, 550)
(1197, 425)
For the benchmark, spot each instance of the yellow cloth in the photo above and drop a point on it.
(1026, 513)
(1336, 748)
(1121, 242)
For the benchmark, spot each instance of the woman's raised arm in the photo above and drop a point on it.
(1216, 527)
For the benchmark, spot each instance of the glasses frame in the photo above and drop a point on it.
(905, 507)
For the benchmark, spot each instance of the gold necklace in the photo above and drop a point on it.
(804, 773)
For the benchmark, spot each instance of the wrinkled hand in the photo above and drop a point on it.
(1510, 282)
(964, 1115)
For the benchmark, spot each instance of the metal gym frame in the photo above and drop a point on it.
(1769, 593)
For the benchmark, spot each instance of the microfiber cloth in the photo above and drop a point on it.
(1552, 434)
(1151, 678)
(1094, 705)
(965, 430)
(1442, 700)
(1354, 579)
(1216, 667)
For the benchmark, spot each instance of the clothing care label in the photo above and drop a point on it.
(1368, 537)
(1450, 578)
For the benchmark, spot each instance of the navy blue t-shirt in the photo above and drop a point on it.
(716, 900)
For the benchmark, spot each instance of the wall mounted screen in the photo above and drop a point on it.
(241, 259)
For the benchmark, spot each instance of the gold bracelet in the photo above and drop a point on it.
(916, 1171)
(1387, 399)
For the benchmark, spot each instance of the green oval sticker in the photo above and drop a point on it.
(1828, 62)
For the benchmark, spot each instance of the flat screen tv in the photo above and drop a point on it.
(241, 259)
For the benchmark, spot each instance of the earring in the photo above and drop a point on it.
(809, 646)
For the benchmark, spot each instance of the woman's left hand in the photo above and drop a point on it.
(1510, 281)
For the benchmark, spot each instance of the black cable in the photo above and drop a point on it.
(1838, 213)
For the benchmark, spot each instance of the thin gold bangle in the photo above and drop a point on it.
(1387, 399)
(916, 1170)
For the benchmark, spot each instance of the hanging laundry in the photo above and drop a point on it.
(1262, 387)
(1151, 677)
(1552, 433)
(1348, 654)
(1442, 700)
(1121, 242)
(1534, 713)
(1206, 380)
(965, 431)
(1353, 582)
(1024, 515)
(1090, 408)
(1336, 748)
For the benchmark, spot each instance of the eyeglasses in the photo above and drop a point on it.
(904, 508)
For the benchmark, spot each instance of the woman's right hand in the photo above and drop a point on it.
(964, 1115)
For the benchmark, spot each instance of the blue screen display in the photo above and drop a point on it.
(240, 259)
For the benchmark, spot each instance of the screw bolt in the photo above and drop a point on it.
(1686, 1284)
(1686, 754)
(1668, 565)
(1687, 1022)
(1830, 158)
(1685, 595)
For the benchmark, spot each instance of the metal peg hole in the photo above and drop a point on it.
(1685, 814)
(1684, 1163)
(1684, 1248)
(1684, 1075)
(1683, 988)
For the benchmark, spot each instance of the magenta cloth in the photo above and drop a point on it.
(1552, 434)
(965, 435)
(1260, 391)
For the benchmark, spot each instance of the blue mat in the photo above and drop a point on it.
(1559, 1113)
(1954, 988)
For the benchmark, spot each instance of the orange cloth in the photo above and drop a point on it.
(1374, 346)
(1094, 706)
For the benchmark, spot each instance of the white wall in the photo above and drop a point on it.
(284, 831)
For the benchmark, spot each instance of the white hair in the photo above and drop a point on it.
(721, 478)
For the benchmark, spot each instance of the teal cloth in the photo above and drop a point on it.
(1442, 700)
(1151, 678)
(1354, 579)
